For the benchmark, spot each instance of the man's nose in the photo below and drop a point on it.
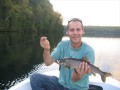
(75, 31)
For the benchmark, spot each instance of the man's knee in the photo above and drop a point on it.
(37, 77)
(33, 76)
(95, 87)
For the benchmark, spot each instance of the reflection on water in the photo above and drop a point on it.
(107, 54)
(107, 57)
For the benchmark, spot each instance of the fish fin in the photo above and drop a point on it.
(93, 73)
(66, 66)
(85, 59)
(103, 77)
(75, 71)
(69, 67)
(57, 62)
(59, 67)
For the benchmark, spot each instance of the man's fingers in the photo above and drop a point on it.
(89, 69)
(43, 38)
(44, 43)
(82, 68)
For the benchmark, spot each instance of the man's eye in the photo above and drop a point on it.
(72, 30)
(78, 29)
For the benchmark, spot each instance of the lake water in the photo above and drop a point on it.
(107, 58)
(107, 54)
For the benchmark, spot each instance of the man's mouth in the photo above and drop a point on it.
(75, 37)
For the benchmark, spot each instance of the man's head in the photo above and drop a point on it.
(75, 30)
(75, 20)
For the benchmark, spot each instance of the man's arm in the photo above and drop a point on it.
(48, 60)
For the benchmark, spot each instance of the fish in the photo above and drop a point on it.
(74, 63)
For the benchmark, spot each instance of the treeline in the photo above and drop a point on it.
(101, 31)
(29, 19)
(22, 23)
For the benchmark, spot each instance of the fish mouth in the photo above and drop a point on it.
(61, 61)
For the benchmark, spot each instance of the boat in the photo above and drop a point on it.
(110, 84)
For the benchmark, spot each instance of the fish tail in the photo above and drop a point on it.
(103, 77)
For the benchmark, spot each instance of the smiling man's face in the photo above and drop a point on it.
(75, 32)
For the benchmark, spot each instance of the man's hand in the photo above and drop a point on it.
(81, 71)
(45, 43)
(48, 60)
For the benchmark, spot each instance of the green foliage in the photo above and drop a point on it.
(22, 22)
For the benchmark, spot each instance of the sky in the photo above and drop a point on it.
(91, 12)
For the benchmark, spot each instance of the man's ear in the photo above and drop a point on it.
(66, 32)
(83, 32)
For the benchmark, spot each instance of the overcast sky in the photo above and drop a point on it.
(91, 12)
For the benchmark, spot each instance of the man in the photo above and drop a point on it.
(69, 79)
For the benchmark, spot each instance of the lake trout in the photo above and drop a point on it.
(74, 63)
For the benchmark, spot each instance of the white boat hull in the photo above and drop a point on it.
(110, 84)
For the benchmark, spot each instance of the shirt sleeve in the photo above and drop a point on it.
(56, 52)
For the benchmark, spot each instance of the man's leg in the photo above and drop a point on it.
(95, 87)
(44, 82)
